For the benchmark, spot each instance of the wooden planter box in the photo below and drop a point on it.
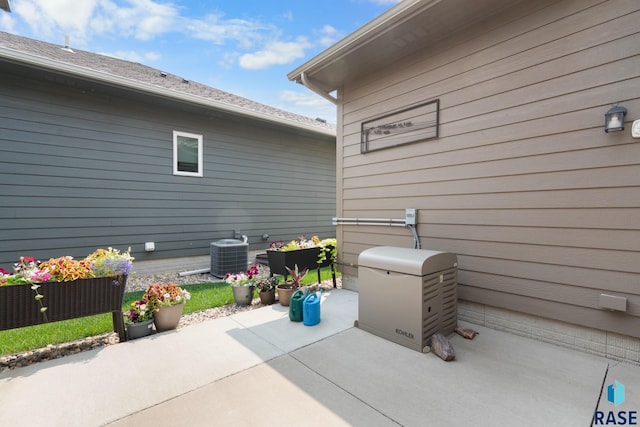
(303, 258)
(64, 300)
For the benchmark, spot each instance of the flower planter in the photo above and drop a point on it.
(139, 330)
(284, 294)
(303, 258)
(64, 301)
(167, 317)
(243, 295)
(267, 297)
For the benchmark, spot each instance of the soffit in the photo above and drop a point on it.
(405, 29)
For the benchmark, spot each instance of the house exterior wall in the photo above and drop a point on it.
(85, 166)
(541, 206)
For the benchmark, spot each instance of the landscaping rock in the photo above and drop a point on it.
(441, 346)
(466, 332)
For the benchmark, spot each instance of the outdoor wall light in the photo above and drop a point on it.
(614, 119)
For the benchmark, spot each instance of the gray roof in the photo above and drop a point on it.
(139, 77)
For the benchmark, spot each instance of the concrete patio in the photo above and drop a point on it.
(258, 368)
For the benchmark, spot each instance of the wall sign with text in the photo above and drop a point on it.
(413, 124)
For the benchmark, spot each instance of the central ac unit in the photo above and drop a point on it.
(229, 256)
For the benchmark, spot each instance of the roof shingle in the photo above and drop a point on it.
(150, 76)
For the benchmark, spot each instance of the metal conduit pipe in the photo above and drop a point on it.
(380, 221)
(369, 221)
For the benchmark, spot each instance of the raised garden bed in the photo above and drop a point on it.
(64, 301)
(303, 258)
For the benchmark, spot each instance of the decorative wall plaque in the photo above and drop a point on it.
(406, 126)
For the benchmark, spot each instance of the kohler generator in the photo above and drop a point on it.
(407, 295)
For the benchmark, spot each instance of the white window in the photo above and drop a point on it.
(187, 154)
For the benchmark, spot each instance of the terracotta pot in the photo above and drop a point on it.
(139, 330)
(284, 294)
(168, 317)
(243, 295)
(267, 297)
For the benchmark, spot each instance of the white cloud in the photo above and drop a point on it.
(288, 16)
(250, 43)
(6, 23)
(306, 99)
(47, 16)
(152, 56)
(215, 29)
(228, 60)
(275, 53)
(328, 35)
(142, 19)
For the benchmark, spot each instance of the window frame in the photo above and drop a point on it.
(199, 172)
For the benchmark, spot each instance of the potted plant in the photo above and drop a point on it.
(287, 289)
(166, 302)
(33, 294)
(242, 285)
(261, 279)
(138, 319)
(311, 254)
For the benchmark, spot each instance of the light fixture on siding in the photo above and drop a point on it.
(614, 119)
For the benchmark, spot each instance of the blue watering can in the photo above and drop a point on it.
(311, 309)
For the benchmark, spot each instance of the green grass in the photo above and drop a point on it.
(203, 296)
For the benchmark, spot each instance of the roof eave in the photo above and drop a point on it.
(138, 86)
(361, 36)
(5, 5)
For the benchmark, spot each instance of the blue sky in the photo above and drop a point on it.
(245, 47)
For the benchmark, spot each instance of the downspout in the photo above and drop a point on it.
(305, 81)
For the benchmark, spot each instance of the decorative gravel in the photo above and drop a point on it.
(134, 283)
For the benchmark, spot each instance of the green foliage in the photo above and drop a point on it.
(296, 276)
(203, 296)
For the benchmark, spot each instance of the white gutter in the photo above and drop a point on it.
(119, 81)
(305, 81)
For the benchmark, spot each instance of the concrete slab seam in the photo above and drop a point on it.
(343, 389)
(604, 380)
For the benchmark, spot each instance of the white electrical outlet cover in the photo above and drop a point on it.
(635, 129)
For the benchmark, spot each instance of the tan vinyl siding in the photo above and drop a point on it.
(541, 206)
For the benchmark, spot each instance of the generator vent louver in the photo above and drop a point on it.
(228, 256)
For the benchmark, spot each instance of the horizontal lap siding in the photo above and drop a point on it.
(86, 170)
(540, 205)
